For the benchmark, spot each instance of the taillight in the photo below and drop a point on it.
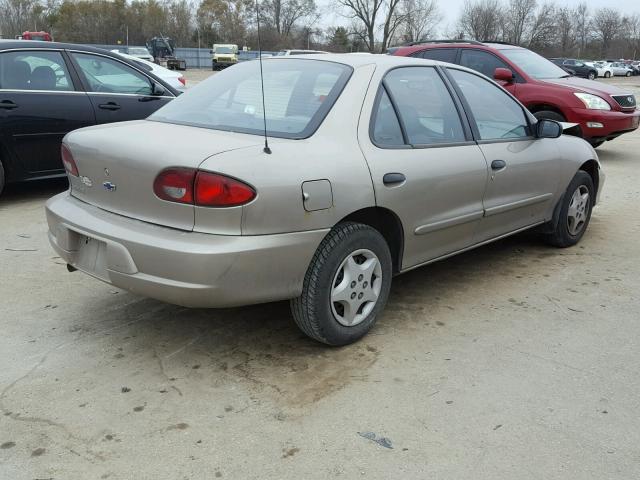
(204, 189)
(175, 185)
(183, 81)
(68, 161)
(215, 190)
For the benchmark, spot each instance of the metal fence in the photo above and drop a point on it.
(197, 57)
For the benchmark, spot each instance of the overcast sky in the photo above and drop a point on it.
(450, 10)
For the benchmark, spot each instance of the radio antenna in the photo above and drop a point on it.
(266, 148)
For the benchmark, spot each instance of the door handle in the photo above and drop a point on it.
(109, 106)
(391, 179)
(8, 105)
(498, 164)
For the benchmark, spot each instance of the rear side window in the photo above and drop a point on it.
(497, 115)
(107, 75)
(428, 112)
(34, 70)
(386, 130)
(439, 54)
(483, 62)
(298, 94)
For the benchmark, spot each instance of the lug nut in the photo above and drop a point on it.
(360, 295)
(360, 277)
(364, 285)
(353, 295)
(353, 284)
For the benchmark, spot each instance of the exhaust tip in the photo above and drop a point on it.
(71, 268)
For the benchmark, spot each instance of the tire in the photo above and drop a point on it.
(2, 178)
(607, 74)
(331, 322)
(592, 75)
(549, 115)
(575, 212)
(628, 74)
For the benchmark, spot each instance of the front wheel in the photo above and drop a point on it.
(628, 74)
(549, 115)
(575, 212)
(592, 75)
(607, 74)
(346, 286)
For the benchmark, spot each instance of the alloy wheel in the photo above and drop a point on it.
(578, 210)
(356, 287)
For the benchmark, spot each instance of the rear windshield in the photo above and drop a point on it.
(533, 64)
(298, 94)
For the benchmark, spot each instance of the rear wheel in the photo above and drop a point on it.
(575, 212)
(607, 74)
(550, 115)
(346, 286)
(628, 74)
(592, 75)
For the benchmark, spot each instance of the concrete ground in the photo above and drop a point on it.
(513, 361)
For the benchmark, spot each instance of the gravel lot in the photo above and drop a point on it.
(513, 361)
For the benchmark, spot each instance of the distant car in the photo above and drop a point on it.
(603, 68)
(620, 69)
(377, 165)
(48, 89)
(172, 77)
(137, 52)
(579, 68)
(298, 52)
(602, 111)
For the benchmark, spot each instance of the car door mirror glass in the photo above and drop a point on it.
(548, 129)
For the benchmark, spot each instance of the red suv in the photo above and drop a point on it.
(602, 112)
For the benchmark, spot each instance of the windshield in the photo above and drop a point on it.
(224, 50)
(533, 64)
(298, 94)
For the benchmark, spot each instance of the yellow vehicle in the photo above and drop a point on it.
(223, 55)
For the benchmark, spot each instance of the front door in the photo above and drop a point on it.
(523, 170)
(486, 63)
(424, 164)
(117, 91)
(39, 104)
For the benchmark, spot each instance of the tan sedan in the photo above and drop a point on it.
(375, 165)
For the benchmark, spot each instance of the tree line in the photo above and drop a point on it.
(369, 25)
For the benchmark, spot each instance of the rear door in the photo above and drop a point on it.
(118, 92)
(523, 170)
(424, 163)
(40, 101)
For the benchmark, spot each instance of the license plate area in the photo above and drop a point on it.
(91, 257)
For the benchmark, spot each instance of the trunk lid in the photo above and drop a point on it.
(118, 163)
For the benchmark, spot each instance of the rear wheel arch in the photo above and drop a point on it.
(593, 169)
(388, 224)
(541, 107)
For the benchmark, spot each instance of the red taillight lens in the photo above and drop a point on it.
(68, 161)
(183, 81)
(175, 185)
(215, 190)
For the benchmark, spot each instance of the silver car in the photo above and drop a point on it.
(375, 165)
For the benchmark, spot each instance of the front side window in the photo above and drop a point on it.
(106, 75)
(497, 115)
(34, 70)
(428, 112)
(483, 62)
(298, 94)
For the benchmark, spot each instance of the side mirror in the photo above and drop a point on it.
(548, 128)
(503, 75)
(157, 90)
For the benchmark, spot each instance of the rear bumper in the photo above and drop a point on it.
(614, 123)
(184, 268)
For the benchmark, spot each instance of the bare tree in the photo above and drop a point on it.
(368, 16)
(283, 15)
(582, 24)
(565, 31)
(481, 20)
(520, 15)
(543, 28)
(420, 19)
(606, 25)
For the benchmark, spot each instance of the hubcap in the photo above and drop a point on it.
(578, 209)
(356, 287)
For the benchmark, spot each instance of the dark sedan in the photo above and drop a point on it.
(48, 89)
(578, 68)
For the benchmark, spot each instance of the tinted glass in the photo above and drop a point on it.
(497, 115)
(107, 75)
(34, 71)
(297, 94)
(533, 64)
(440, 54)
(483, 62)
(386, 130)
(425, 105)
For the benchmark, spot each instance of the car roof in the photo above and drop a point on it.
(355, 61)
(408, 49)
